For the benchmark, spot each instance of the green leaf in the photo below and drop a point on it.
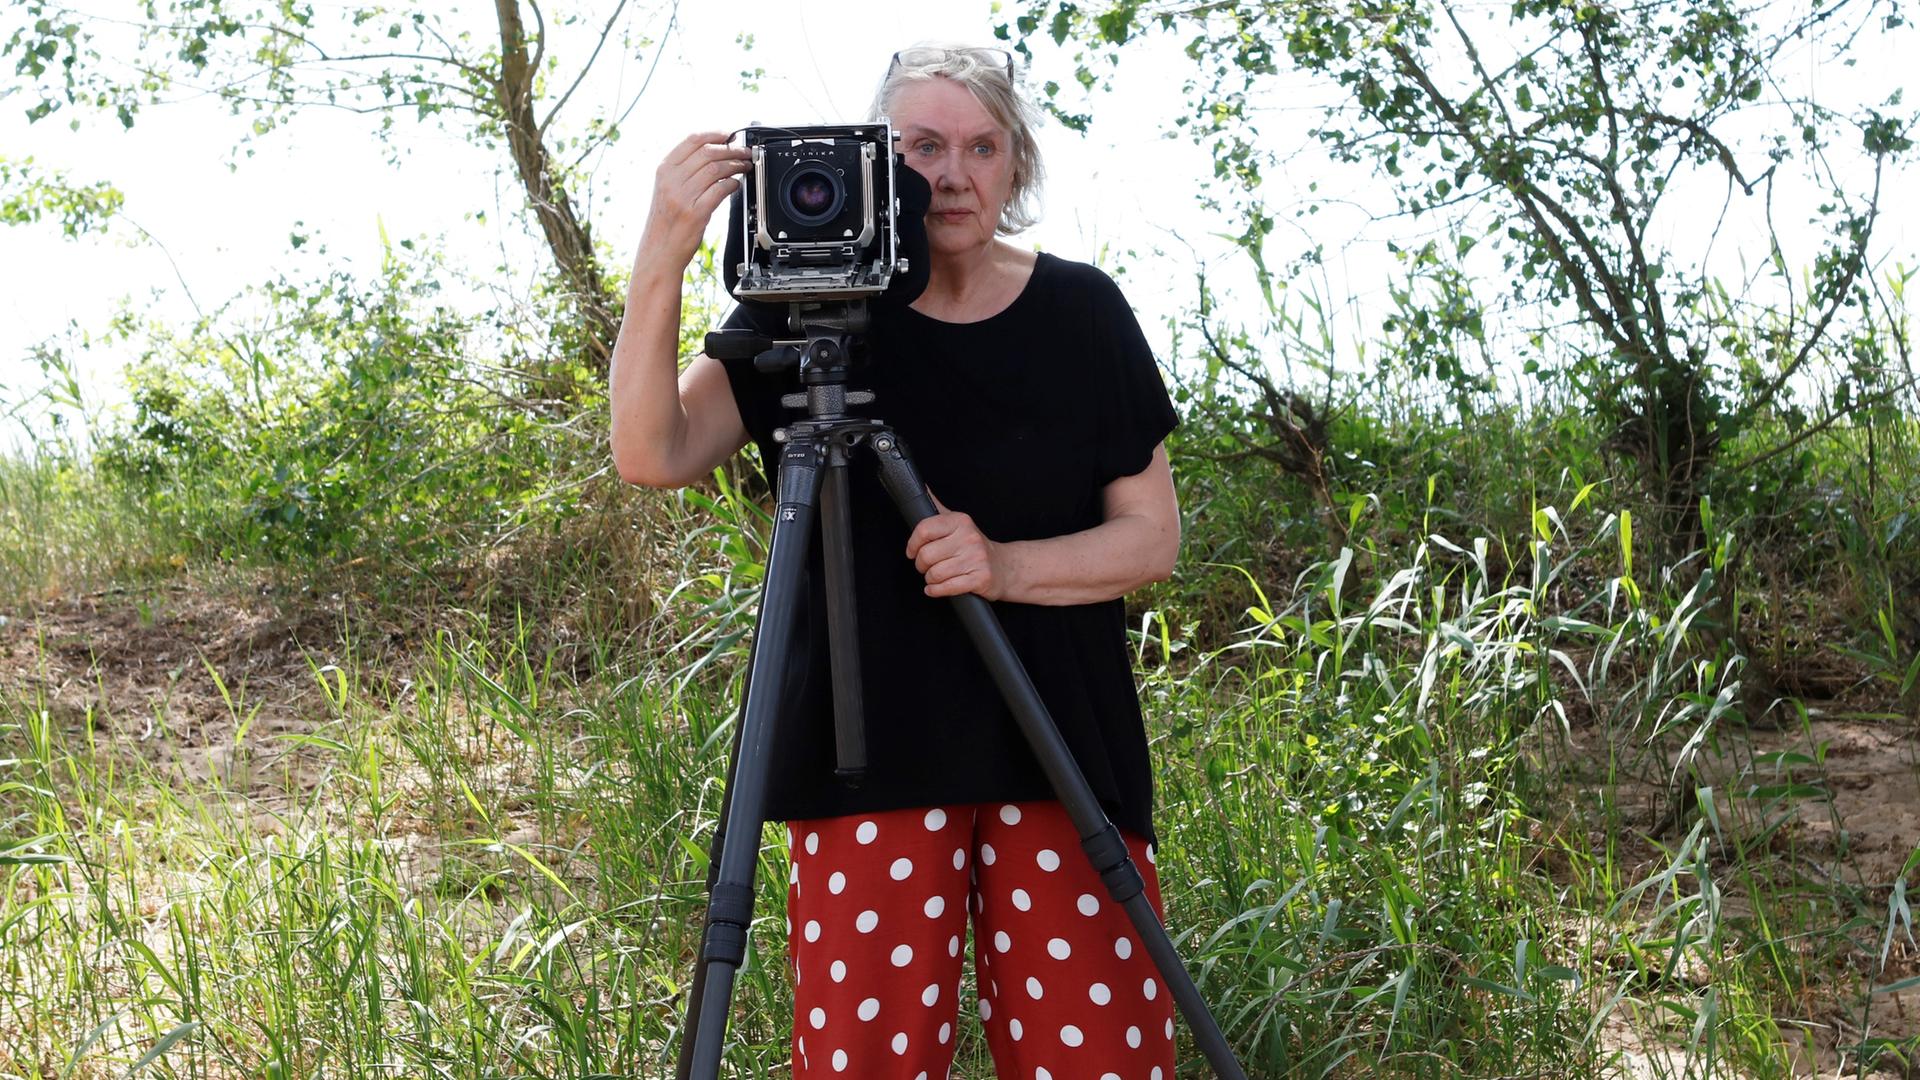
(165, 1044)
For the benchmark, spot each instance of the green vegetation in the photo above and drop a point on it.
(356, 721)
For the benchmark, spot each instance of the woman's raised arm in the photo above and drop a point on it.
(670, 427)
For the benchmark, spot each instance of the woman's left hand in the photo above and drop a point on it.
(956, 557)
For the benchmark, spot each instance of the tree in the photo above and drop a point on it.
(495, 84)
(1561, 138)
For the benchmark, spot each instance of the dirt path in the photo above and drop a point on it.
(1831, 802)
(140, 670)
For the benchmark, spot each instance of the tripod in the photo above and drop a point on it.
(812, 482)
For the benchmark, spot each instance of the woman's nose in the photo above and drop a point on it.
(952, 174)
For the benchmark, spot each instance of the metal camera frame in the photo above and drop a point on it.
(766, 270)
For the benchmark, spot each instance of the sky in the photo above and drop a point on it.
(200, 223)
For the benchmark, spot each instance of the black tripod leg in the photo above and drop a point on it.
(730, 905)
(690, 1027)
(1098, 838)
(836, 538)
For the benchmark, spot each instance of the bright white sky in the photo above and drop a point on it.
(1114, 196)
(221, 229)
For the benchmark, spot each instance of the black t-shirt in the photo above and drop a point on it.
(1019, 420)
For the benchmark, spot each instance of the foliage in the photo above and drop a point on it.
(1558, 140)
(273, 61)
(27, 195)
(345, 420)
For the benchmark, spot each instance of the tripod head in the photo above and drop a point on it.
(831, 342)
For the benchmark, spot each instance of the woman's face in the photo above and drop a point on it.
(950, 138)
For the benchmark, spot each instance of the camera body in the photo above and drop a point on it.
(821, 216)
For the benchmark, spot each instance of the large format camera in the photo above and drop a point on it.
(821, 210)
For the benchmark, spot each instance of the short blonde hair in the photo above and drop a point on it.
(989, 75)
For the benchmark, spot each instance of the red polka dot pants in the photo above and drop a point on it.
(877, 909)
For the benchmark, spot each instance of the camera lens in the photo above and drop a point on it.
(814, 193)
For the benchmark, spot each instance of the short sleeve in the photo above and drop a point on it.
(1136, 414)
(755, 393)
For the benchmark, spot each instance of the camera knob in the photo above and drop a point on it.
(860, 397)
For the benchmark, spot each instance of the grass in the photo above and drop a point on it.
(1383, 851)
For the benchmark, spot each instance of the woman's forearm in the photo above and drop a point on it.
(1109, 560)
(648, 418)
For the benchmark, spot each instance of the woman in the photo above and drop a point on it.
(1028, 396)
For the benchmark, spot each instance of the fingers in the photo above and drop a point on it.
(694, 143)
(931, 529)
(973, 581)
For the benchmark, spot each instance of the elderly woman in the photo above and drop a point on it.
(1023, 386)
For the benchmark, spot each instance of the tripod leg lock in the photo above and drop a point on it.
(1107, 853)
(729, 913)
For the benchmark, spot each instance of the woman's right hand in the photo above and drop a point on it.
(696, 177)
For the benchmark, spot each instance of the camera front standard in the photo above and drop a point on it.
(820, 221)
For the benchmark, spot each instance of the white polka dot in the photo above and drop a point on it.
(1040, 1073)
(986, 1009)
(803, 1043)
(1155, 1074)
(813, 930)
(901, 869)
(837, 884)
(959, 858)
(869, 1009)
(813, 843)
(1150, 860)
(1169, 1027)
(1099, 993)
(922, 1076)
(866, 921)
(1001, 941)
(866, 832)
(946, 1032)
(1034, 989)
(1060, 950)
(1087, 904)
(1048, 860)
(953, 945)
(930, 995)
(902, 955)
(1133, 1037)
(839, 1061)
(1021, 900)
(1122, 948)
(934, 906)
(1014, 1029)
(899, 1042)
(1071, 1035)
(986, 854)
(818, 1017)
(1151, 989)
(793, 878)
(1010, 814)
(936, 819)
(789, 923)
(839, 971)
(1109, 1076)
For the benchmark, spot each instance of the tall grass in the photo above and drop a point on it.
(1378, 849)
